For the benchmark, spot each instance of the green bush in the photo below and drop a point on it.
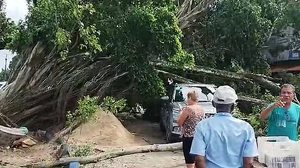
(83, 150)
(87, 106)
(111, 104)
(253, 118)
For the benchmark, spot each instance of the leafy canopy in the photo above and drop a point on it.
(7, 28)
(232, 34)
(132, 33)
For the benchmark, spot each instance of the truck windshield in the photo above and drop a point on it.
(204, 94)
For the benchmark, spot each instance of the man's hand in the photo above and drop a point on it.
(199, 162)
(279, 104)
(266, 112)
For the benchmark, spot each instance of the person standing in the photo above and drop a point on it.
(188, 119)
(223, 141)
(284, 115)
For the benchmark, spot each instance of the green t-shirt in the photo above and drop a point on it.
(285, 122)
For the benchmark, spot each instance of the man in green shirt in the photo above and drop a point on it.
(284, 115)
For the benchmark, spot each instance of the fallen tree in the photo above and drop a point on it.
(199, 74)
(87, 54)
(42, 91)
(110, 154)
(181, 79)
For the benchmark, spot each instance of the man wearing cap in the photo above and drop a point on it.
(223, 141)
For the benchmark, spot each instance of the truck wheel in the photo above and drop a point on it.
(161, 126)
(169, 137)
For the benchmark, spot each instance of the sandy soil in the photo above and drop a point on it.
(16, 157)
(103, 133)
(144, 160)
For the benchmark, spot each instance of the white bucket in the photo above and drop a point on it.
(262, 150)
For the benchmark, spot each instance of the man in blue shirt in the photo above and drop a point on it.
(223, 141)
(284, 115)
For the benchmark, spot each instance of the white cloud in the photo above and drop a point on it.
(16, 9)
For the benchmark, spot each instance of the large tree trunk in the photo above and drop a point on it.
(208, 75)
(45, 85)
(111, 154)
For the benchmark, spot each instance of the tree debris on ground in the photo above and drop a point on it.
(110, 154)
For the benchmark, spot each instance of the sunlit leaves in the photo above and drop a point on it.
(61, 23)
(7, 28)
(62, 38)
(133, 33)
(90, 38)
(237, 30)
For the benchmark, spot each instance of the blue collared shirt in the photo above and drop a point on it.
(224, 140)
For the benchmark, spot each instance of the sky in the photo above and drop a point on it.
(16, 10)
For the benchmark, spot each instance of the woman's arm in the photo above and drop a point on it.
(182, 117)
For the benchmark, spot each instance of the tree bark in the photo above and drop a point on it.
(191, 11)
(45, 86)
(223, 76)
(110, 154)
(244, 103)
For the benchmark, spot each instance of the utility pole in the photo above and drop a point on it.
(5, 73)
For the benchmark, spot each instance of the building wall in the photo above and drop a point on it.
(283, 47)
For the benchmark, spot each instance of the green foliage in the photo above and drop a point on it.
(268, 97)
(233, 33)
(84, 150)
(236, 30)
(111, 104)
(7, 28)
(151, 34)
(58, 23)
(134, 34)
(254, 120)
(87, 106)
(290, 14)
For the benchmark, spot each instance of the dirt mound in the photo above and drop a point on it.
(104, 130)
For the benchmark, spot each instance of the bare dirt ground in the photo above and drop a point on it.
(144, 160)
(149, 133)
(102, 133)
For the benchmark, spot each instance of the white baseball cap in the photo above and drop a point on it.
(225, 95)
